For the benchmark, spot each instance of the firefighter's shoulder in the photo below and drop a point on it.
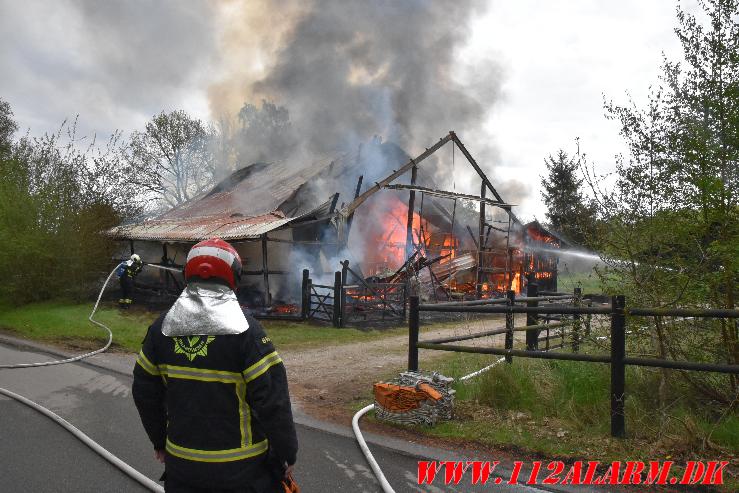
(257, 338)
(155, 329)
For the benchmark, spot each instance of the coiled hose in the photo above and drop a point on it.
(96, 447)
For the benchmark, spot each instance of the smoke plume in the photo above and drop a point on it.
(348, 70)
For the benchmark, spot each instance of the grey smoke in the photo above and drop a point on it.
(349, 70)
(114, 63)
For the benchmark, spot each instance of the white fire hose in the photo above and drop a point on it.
(145, 481)
(366, 451)
(110, 457)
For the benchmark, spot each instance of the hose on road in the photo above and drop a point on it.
(96, 447)
(366, 451)
(148, 483)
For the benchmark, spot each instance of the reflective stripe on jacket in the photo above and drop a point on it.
(217, 404)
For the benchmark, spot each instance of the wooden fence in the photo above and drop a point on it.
(618, 359)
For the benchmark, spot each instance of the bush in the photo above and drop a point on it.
(55, 203)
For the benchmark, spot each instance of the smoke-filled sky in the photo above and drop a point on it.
(516, 80)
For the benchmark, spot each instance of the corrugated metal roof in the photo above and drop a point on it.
(243, 206)
(253, 191)
(200, 228)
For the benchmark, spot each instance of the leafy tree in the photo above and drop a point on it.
(7, 126)
(670, 231)
(265, 133)
(172, 160)
(56, 201)
(567, 211)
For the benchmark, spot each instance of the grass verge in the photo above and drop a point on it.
(561, 409)
(64, 322)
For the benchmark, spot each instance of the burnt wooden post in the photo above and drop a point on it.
(265, 272)
(163, 274)
(481, 243)
(511, 295)
(337, 299)
(576, 321)
(413, 323)
(618, 368)
(532, 335)
(305, 295)
(309, 289)
(411, 210)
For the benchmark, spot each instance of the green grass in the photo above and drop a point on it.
(588, 281)
(562, 409)
(66, 323)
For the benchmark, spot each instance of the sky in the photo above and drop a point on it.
(536, 72)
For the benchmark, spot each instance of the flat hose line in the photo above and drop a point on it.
(386, 488)
(145, 481)
(124, 467)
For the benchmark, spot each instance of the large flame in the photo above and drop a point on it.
(386, 248)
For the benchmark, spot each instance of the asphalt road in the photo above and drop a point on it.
(38, 455)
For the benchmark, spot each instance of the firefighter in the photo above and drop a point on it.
(127, 272)
(211, 390)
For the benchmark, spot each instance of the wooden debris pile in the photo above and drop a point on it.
(415, 398)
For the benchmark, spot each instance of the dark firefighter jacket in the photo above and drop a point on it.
(217, 404)
(129, 268)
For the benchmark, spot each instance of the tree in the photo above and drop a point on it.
(172, 160)
(266, 133)
(671, 218)
(57, 199)
(566, 208)
(7, 126)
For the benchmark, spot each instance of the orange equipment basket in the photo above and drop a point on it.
(401, 398)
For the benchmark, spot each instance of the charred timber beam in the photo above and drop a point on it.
(472, 235)
(265, 272)
(480, 172)
(334, 200)
(350, 218)
(448, 195)
(411, 210)
(389, 179)
(481, 244)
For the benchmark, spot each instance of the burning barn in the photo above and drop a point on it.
(371, 215)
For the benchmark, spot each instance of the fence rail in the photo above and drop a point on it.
(617, 359)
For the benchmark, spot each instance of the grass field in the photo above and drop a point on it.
(567, 281)
(540, 408)
(66, 323)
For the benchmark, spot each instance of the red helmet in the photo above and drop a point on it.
(214, 259)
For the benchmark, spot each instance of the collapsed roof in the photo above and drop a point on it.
(263, 197)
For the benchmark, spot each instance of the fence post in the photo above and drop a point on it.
(405, 303)
(532, 335)
(588, 320)
(305, 295)
(511, 295)
(337, 299)
(576, 321)
(413, 318)
(344, 271)
(618, 368)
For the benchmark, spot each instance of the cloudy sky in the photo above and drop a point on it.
(528, 76)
